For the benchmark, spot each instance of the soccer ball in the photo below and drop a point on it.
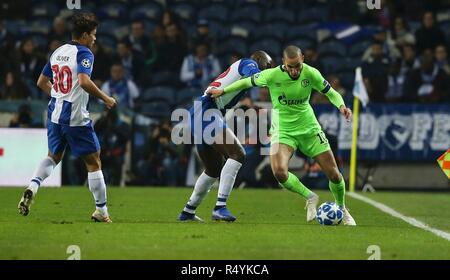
(329, 214)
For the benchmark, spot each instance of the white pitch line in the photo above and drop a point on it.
(412, 221)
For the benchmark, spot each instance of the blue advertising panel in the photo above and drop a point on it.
(393, 132)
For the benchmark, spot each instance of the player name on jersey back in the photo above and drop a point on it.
(68, 105)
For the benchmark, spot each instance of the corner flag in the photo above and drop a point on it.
(359, 90)
(360, 93)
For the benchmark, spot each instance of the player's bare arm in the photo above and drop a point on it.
(44, 84)
(88, 85)
(346, 112)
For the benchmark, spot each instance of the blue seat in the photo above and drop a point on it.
(249, 12)
(157, 109)
(159, 93)
(247, 25)
(185, 96)
(350, 64)
(151, 10)
(218, 29)
(279, 14)
(331, 63)
(312, 15)
(149, 25)
(44, 9)
(332, 48)
(40, 40)
(164, 78)
(40, 25)
(184, 10)
(109, 27)
(270, 45)
(303, 43)
(214, 12)
(107, 40)
(117, 11)
(301, 32)
(347, 79)
(232, 44)
(277, 30)
(358, 49)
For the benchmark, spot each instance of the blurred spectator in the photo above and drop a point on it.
(440, 54)
(59, 31)
(235, 56)
(396, 82)
(7, 42)
(13, 87)
(375, 73)
(198, 70)
(113, 137)
(102, 60)
(132, 60)
(203, 36)
(335, 82)
(388, 48)
(429, 35)
(122, 89)
(409, 59)
(171, 50)
(53, 45)
(161, 163)
(23, 118)
(429, 84)
(140, 41)
(399, 35)
(312, 59)
(30, 64)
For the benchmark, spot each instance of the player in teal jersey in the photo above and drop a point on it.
(294, 125)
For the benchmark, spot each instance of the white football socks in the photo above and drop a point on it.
(98, 188)
(202, 186)
(43, 170)
(227, 178)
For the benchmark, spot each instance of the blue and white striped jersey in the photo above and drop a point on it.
(68, 105)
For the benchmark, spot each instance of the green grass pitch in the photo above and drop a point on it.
(271, 225)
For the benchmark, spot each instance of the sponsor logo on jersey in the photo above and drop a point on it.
(305, 83)
(86, 63)
(289, 102)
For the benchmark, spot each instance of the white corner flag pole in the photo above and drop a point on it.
(360, 93)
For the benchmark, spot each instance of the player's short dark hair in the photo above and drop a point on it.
(292, 51)
(83, 22)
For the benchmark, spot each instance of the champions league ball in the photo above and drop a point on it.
(329, 214)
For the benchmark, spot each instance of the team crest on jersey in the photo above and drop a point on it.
(277, 84)
(305, 83)
(86, 63)
(256, 76)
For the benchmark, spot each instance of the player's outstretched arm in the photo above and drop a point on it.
(44, 84)
(234, 87)
(85, 82)
(336, 99)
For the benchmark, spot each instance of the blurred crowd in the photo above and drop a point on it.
(163, 60)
